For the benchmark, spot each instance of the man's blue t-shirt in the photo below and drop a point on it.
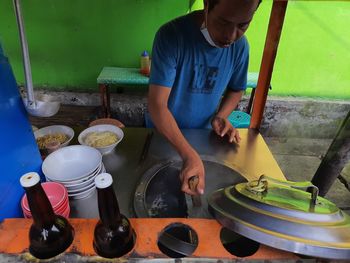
(197, 73)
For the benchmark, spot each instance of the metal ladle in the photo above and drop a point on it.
(46, 106)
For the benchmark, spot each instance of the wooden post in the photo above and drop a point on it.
(271, 44)
(105, 100)
(337, 156)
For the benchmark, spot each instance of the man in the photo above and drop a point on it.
(194, 59)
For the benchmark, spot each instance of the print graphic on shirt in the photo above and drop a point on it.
(203, 79)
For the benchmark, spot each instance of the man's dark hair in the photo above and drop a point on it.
(213, 3)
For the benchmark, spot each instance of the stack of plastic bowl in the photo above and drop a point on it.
(58, 197)
(75, 167)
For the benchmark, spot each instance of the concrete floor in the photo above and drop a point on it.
(299, 159)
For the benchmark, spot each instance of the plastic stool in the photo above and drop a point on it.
(239, 119)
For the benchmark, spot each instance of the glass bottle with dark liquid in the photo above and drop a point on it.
(50, 234)
(113, 235)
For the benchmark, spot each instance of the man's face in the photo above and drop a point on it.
(229, 19)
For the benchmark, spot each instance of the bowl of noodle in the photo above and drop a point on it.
(54, 133)
(103, 137)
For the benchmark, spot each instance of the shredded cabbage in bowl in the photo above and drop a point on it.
(100, 139)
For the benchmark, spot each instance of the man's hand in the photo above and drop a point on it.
(222, 127)
(192, 166)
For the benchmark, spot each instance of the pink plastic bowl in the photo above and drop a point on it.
(56, 193)
(64, 213)
(62, 208)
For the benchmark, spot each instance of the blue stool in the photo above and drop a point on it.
(239, 119)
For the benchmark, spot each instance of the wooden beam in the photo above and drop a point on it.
(337, 156)
(270, 50)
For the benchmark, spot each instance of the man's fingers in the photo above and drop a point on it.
(184, 184)
(189, 187)
(217, 130)
(238, 137)
(224, 130)
(186, 189)
(217, 126)
(201, 185)
(234, 136)
(197, 183)
(181, 176)
(192, 168)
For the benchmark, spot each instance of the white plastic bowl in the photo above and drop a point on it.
(56, 129)
(84, 179)
(83, 195)
(101, 128)
(79, 186)
(71, 163)
(82, 189)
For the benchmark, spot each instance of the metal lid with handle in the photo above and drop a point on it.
(284, 215)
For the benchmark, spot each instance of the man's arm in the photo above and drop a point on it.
(229, 103)
(165, 123)
(221, 125)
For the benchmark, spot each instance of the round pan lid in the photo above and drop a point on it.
(280, 214)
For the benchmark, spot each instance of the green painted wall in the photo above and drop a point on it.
(70, 41)
(314, 53)
(313, 57)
